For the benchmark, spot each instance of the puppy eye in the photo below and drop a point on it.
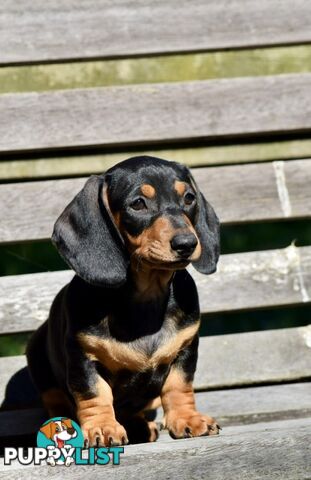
(139, 204)
(189, 198)
(57, 429)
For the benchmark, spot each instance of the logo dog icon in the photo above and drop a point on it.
(60, 442)
(60, 432)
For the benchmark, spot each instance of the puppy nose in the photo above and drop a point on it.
(184, 244)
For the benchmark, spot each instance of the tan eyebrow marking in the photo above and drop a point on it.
(148, 190)
(180, 187)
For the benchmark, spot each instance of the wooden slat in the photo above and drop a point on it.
(155, 113)
(256, 404)
(253, 358)
(73, 165)
(8, 367)
(32, 31)
(234, 360)
(18, 312)
(257, 279)
(249, 280)
(230, 407)
(267, 191)
(240, 453)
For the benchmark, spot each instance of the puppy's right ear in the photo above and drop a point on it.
(88, 239)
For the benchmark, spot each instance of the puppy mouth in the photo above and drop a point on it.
(60, 442)
(163, 262)
(166, 265)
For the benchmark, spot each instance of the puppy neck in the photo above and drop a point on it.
(149, 283)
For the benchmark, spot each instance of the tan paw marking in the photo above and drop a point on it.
(104, 433)
(194, 424)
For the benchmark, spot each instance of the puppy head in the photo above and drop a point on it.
(144, 209)
(60, 429)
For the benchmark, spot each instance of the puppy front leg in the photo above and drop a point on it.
(97, 418)
(94, 404)
(181, 417)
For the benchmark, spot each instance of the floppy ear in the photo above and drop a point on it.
(208, 231)
(87, 238)
(47, 430)
(67, 422)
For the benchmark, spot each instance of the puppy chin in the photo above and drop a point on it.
(171, 265)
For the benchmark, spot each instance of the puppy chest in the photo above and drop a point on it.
(139, 355)
(132, 391)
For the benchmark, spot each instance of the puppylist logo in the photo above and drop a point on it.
(60, 442)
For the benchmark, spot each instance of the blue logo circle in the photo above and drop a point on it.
(59, 432)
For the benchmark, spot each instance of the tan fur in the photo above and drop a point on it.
(154, 431)
(177, 394)
(117, 355)
(148, 190)
(153, 404)
(97, 418)
(180, 187)
(180, 415)
(154, 242)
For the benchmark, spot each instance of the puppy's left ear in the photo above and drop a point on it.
(47, 430)
(208, 231)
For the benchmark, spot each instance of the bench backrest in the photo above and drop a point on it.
(91, 87)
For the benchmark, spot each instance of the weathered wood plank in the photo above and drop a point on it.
(156, 69)
(256, 404)
(234, 360)
(239, 454)
(254, 357)
(250, 280)
(155, 113)
(230, 407)
(239, 194)
(257, 279)
(33, 31)
(73, 165)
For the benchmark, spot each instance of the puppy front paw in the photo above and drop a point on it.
(103, 433)
(190, 424)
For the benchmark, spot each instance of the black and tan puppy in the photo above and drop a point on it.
(124, 332)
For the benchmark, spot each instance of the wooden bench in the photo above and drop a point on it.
(224, 87)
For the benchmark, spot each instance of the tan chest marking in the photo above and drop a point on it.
(116, 355)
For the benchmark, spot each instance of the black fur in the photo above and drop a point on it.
(87, 237)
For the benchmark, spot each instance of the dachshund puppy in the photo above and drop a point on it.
(122, 336)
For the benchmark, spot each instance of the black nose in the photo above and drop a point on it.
(184, 244)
